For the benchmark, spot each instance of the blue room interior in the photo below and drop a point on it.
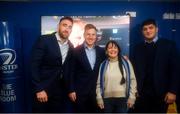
(26, 16)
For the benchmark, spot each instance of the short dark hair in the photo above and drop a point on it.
(66, 18)
(90, 26)
(148, 22)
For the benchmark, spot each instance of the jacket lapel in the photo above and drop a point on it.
(70, 51)
(97, 58)
(84, 58)
(56, 47)
(159, 54)
(142, 58)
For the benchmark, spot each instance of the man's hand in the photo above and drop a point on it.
(42, 96)
(170, 98)
(126, 57)
(72, 96)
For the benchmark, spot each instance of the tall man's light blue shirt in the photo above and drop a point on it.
(91, 55)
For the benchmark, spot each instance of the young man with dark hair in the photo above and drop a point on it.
(156, 69)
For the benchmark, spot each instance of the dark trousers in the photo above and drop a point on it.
(115, 105)
(178, 104)
(55, 104)
(86, 104)
(58, 101)
(150, 105)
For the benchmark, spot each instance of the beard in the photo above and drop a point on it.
(63, 35)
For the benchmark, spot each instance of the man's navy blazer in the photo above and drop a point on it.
(47, 68)
(84, 79)
(165, 71)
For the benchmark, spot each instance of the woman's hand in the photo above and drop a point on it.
(101, 106)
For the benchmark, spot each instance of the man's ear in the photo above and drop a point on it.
(157, 29)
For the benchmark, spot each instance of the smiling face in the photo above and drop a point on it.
(149, 29)
(65, 28)
(112, 51)
(90, 35)
(149, 32)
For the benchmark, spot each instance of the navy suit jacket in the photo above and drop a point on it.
(165, 72)
(47, 68)
(84, 80)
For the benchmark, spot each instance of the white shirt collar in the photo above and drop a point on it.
(86, 47)
(154, 40)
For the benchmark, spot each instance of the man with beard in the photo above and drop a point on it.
(51, 65)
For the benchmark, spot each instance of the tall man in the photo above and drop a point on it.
(156, 69)
(87, 59)
(51, 65)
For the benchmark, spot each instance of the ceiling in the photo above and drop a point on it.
(89, 0)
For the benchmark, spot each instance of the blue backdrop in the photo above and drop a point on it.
(11, 72)
(27, 17)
